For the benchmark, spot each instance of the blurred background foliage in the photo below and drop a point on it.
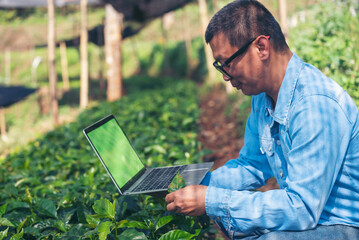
(328, 39)
(323, 33)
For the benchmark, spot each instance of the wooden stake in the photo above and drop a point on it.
(84, 89)
(7, 66)
(204, 22)
(2, 123)
(52, 61)
(64, 66)
(188, 42)
(113, 41)
(283, 17)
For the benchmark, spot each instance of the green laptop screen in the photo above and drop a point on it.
(116, 152)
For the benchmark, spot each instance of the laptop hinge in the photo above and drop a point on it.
(133, 180)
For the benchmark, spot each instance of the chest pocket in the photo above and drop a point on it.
(267, 145)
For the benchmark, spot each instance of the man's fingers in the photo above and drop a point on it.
(170, 198)
(171, 207)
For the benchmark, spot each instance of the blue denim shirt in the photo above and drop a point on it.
(309, 143)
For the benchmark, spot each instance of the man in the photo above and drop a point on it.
(303, 130)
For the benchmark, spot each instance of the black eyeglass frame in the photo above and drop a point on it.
(220, 67)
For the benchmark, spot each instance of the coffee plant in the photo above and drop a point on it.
(56, 188)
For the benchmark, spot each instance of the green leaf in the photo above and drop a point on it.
(76, 232)
(163, 221)
(3, 234)
(92, 221)
(28, 195)
(104, 208)
(65, 199)
(60, 225)
(46, 207)
(177, 235)
(16, 205)
(32, 231)
(134, 224)
(18, 236)
(123, 209)
(104, 229)
(6, 222)
(3, 209)
(21, 225)
(114, 208)
(89, 234)
(132, 234)
(80, 212)
(11, 190)
(187, 121)
(67, 214)
(178, 182)
(159, 149)
(122, 224)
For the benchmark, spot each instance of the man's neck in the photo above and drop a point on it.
(279, 62)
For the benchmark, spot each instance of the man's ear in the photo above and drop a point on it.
(263, 47)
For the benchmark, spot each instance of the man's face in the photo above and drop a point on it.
(246, 69)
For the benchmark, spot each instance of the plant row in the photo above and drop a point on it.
(56, 188)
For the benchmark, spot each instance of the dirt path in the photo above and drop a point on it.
(218, 131)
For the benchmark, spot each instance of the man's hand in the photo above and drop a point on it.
(189, 200)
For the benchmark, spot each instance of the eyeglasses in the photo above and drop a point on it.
(220, 67)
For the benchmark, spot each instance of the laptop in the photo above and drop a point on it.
(125, 168)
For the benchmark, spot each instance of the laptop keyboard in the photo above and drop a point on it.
(157, 178)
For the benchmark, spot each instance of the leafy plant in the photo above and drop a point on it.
(178, 182)
(56, 188)
(328, 39)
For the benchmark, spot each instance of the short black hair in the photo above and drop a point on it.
(243, 20)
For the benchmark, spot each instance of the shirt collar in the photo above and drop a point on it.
(286, 90)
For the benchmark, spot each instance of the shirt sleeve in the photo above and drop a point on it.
(319, 134)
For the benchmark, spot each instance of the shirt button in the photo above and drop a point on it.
(281, 173)
(278, 142)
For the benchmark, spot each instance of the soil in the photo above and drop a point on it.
(218, 130)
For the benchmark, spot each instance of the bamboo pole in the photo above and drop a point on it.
(283, 17)
(2, 124)
(7, 66)
(113, 41)
(204, 22)
(64, 67)
(100, 37)
(52, 61)
(188, 42)
(84, 89)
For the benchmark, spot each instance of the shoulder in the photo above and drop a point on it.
(312, 81)
(317, 92)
